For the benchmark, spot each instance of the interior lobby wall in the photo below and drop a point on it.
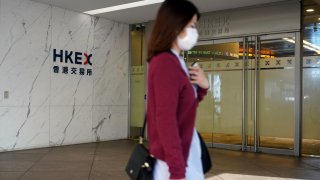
(52, 92)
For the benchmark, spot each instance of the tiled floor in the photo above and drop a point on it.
(107, 161)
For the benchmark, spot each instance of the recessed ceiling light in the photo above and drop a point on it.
(123, 6)
(310, 10)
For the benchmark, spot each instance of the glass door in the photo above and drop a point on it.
(250, 105)
(227, 93)
(203, 53)
(269, 98)
(219, 115)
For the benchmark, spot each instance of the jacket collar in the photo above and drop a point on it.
(177, 62)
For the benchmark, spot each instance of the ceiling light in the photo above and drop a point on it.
(306, 45)
(310, 10)
(123, 6)
(289, 40)
(311, 44)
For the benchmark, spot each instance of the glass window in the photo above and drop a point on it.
(137, 90)
(311, 78)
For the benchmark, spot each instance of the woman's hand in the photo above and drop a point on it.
(198, 77)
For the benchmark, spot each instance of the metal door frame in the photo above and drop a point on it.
(297, 103)
(222, 41)
(298, 94)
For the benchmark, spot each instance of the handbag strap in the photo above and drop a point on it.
(142, 130)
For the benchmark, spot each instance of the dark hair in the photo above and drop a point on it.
(172, 18)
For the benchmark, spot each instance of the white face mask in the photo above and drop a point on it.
(189, 40)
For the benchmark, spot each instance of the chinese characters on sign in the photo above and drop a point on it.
(75, 58)
(209, 26)
(73, 70)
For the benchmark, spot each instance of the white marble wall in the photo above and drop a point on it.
(48, 109)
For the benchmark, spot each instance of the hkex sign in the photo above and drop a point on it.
(75, 58)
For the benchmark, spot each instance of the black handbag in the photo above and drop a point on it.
(141, 163)
(205, 156)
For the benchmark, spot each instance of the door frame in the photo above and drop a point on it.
(297, 121)
(214, 42)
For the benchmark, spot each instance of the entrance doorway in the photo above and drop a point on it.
(251, 102)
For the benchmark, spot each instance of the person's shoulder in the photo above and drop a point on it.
(164, 62)
(163, 58)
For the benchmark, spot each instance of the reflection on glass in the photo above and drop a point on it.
(276, 94)
(217, 88)
(311, 111)
(219, 115)
(311, 80)
(204, 121)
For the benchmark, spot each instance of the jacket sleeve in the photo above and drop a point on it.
(201, 93)
(166, 91)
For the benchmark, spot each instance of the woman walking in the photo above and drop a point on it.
(174, 91)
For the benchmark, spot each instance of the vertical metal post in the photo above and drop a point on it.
(213, 59)
(255, 94)
(298, 95)
(129, 83)
(298, 69)
(144, 63)
(244, 139)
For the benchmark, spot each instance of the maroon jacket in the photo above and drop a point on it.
(171, 112)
